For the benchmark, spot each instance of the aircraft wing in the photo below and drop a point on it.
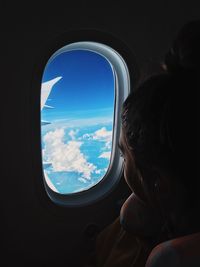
(46, 90)
(45, 122)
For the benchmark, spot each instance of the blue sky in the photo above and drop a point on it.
(86, 89)
(78, 141)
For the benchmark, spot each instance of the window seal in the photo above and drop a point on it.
(113, 174)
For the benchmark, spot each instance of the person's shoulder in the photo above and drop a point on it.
(109, 232)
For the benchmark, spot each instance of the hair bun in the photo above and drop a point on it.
(185, 51)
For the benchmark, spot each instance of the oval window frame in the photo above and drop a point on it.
(47, 50)
(113, 174)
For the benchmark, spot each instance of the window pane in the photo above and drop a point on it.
(77, 109)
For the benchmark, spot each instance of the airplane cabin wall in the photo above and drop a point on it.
(34, 230)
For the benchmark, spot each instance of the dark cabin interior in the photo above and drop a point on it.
(35, 231)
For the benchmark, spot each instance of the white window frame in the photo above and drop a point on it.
(122, 89)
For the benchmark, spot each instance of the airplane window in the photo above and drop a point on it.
(77, 108)
(82, 90)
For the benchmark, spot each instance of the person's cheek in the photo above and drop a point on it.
(132, 178)
(128, 175)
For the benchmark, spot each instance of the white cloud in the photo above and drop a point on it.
(100, 135)
(81, 179)
(105, 155)
(87, 136)
(72, 134)
(66, 156)
(103, 135)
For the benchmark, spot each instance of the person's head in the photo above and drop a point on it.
(159, 131)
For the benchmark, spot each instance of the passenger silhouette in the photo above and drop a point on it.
(159, 145)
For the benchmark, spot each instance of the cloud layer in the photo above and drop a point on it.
(66, 156)
(101, 135)
(105, 155)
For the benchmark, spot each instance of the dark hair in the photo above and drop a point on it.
(160, 117)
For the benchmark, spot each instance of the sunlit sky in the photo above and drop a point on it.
(86, 89)
(77, 142)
